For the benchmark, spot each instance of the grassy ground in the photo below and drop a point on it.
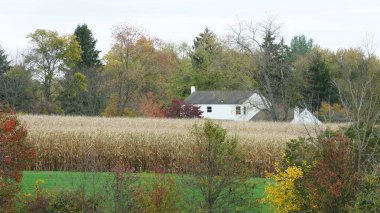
(57, 181)
(97, 184)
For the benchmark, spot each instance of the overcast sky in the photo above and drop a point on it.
(331, 23)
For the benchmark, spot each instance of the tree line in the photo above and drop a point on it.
(141, 75)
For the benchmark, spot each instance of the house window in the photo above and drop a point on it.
(209, 109)
(244, 110)
(238, 110)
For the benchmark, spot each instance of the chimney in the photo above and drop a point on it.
(192, 89)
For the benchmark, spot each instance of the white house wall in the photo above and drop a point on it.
(227, 112)
(255, 101)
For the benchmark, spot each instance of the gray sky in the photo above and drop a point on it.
(331, 23)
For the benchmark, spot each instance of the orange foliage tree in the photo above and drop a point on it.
(150, 106)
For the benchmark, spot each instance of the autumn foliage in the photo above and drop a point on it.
(333, 182)
(181, 109)
(15, 155)
(150, 106)
(323, 176)
(282, 194)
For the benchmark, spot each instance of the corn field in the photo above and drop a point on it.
(144, 144)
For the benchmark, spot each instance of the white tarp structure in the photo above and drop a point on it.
(305, 117)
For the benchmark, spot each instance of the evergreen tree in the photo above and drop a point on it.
(88, 100)
(300, 45)
(274, 76)
(319, 83)
(205, 57)
(90, 56)
(17, 88)
(4, 63)
(204, 50)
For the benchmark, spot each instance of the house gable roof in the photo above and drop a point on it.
(219, 97)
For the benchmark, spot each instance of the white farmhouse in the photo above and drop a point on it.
(239, 106)
(226, 105)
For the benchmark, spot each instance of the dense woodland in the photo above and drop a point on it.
(142, 75)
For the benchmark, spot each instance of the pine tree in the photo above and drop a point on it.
(320, 87)
(204, 49)
(205, 56)
(90, 56)
(89, 100)
(4, 63)
(300, 45)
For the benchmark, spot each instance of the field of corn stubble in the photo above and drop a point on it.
(144, 144)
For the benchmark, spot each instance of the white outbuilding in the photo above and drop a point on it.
(304, 117)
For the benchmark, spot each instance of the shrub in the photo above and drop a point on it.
(63, 201)
(368, 198)
(132, 193)
(73, 201)
(216, 166)
(40, 202)
(315, 174)
(157, 195)
(282, 194)
(15, 155)
(300, 152)
(122, 188)
(288, 193)
(333, 182)
(181, 109)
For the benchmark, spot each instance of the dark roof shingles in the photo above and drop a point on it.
(219, 97)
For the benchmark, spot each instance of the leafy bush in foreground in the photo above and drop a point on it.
(62, 201)
(216, 167)
(15, 155)
(315, 175)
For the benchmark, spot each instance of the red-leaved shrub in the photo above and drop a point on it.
(15, 155)
(181, 109)
(333, 181)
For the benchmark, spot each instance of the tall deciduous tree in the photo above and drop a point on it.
(120, 69)
(358, 83)
(50, 56)
(271, 65)
(136, 64)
